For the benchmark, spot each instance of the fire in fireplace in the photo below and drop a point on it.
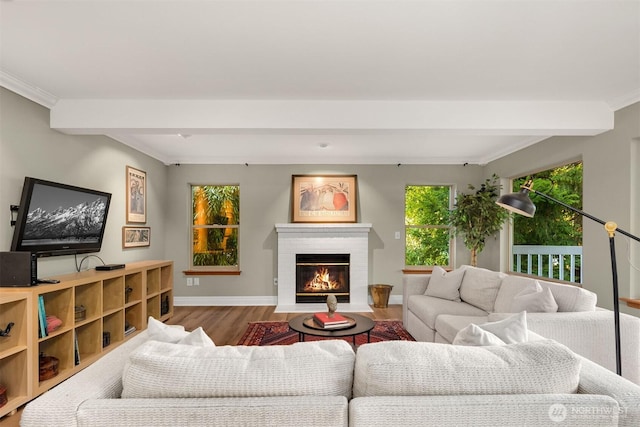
(318, 275)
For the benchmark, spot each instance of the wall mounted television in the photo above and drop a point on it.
(59, 219)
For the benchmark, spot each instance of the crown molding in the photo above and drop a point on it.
(625, 100)
(27, 90)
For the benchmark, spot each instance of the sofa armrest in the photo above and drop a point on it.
(412, 284)
(591, 335)
(596, 380)
(101, 380)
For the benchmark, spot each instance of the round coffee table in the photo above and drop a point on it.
(363, 325)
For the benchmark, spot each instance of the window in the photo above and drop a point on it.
(215, 226)
(550, 243)
(428, 238)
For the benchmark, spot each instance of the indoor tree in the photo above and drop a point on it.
(476, 215)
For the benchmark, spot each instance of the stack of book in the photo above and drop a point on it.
(335, 321)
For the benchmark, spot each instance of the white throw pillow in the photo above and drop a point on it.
(445, 284)
(480, 287)
(158, 331)
(474, 335)
(540, 300)
(511, 330)
(197, 338)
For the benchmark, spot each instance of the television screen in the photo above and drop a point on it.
(60, 219)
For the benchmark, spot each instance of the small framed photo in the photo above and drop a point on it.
(136, 237)
(324, 198)
(136, 196)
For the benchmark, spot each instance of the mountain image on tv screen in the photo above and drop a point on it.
(58, 215)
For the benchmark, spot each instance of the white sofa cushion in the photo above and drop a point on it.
(476, 336)
(159, 331)
(198, 338)
(510, 330)
(449, 325)
(158, 370)
(568, 297)
(427, 309)
(402, 368)
(480, 286)
(540, 300)
(445, 284)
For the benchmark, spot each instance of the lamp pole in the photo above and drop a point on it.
(611, 228)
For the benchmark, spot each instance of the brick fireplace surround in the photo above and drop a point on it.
(323, 238)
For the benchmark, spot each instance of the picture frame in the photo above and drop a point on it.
(136, 190)
(136, 237)
(324, 198)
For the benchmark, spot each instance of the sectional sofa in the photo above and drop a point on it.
(146, 382)
(437, 306)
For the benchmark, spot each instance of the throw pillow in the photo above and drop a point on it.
(539, 300)
(158, 331)
(445, 284)
(197, 338)
(480, 287)
(511, 330)
(474, 335)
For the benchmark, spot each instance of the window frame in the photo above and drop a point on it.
(546, 257)
(417, 269)
(212, 269)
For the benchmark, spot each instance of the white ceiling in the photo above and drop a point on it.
(304, 81)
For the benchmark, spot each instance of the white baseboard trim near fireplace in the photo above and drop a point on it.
(267, 300)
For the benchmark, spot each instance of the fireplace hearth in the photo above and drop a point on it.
(318, 275)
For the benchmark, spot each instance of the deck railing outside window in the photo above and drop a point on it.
(557, 262)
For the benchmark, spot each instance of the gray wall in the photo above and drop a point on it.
(611, 189)
(28, 147)
(265, 192)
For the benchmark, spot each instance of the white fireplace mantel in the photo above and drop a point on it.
(321, 238)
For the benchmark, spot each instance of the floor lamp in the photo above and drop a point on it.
(520, 203)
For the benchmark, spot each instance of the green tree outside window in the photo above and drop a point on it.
(427, 232)
(215, 226)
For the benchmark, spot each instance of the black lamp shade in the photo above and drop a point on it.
(519, 203)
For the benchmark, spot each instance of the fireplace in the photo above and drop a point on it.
(318, 275)
(323, 238)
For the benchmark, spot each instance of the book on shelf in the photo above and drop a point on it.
(76, 349)
(325, 321)
(42, 318)
(129, 329)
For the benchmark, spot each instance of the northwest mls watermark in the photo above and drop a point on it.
(558, 412)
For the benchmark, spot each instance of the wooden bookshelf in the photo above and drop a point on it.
(112, 301)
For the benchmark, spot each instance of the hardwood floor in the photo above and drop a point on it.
(226, 324)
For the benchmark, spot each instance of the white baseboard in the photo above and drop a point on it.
(242, 300)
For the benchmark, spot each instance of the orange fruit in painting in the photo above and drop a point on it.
(340, 201)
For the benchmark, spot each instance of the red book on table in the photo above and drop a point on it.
(324, 319)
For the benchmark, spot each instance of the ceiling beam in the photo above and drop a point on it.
(106, 116)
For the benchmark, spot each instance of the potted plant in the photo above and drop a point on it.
(476, 216)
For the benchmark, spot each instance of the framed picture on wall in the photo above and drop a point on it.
(135, 237)
(324, 198)
(136, 196)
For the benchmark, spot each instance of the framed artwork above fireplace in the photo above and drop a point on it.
(323, 198)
